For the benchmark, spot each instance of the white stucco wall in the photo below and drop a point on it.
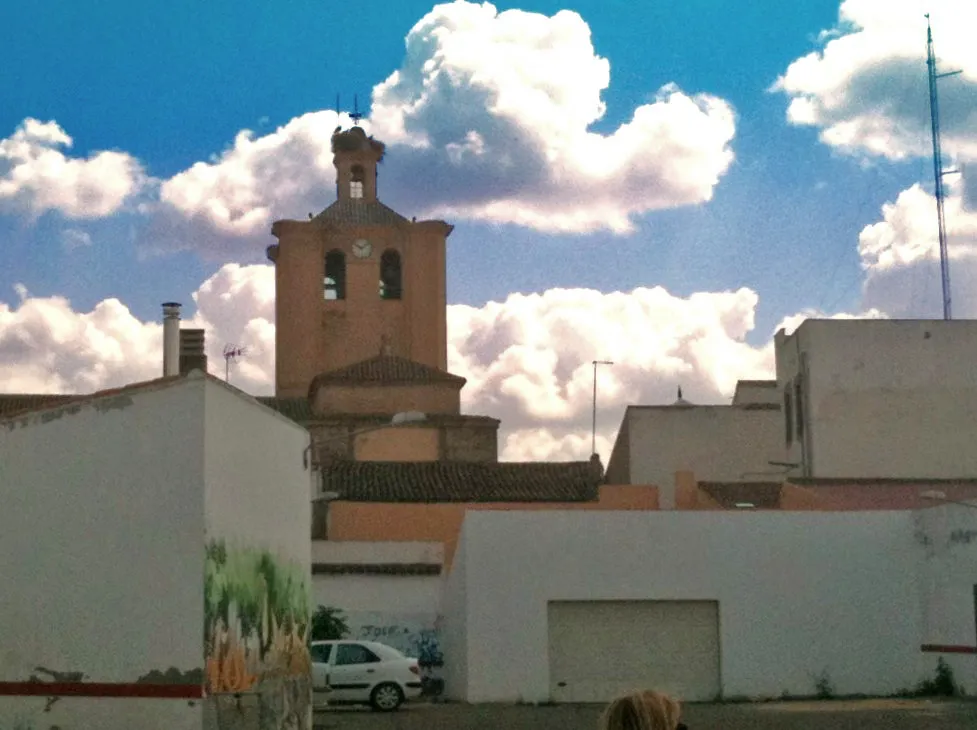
(756, 391)
(454, 625)
(799, 594)
(384, 594)
(884, 398)
(101, 536)
(716, 443)
(257, 506)
(400, 610)
(257, 486)
(947, 535)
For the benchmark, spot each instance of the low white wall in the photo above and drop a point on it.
(947, 535)
(400, 610)
(454, 626)
(99, 713)
(389, 594)
(799, 594)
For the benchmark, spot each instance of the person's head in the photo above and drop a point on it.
(645, 710)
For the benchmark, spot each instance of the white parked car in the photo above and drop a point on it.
(364, 672)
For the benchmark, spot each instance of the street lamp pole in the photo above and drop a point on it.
(593, 429)
(321, 500)
(398, 419)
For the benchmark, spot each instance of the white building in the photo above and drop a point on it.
(580, 606)
(718, 443)
(868, 399)
(141, 529)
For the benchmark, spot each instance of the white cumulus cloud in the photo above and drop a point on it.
(867, 89)
(488, 118)
(900, 255)
(491, 112)
(215, 206)
(527, 359)
(36, 176)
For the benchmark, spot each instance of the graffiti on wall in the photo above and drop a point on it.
(256, 623)
(416, 635)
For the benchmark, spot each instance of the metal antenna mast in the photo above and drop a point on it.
(938, 171)
(231, 352)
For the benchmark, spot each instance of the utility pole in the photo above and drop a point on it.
(938, 171)
(593, 431)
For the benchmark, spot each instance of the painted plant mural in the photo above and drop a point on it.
(256, 624)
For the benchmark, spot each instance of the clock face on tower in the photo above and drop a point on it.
(362, 248)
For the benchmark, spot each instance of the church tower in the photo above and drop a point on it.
(358, 280)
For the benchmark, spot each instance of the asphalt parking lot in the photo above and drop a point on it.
(883, 714)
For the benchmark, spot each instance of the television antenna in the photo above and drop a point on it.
(231, 352)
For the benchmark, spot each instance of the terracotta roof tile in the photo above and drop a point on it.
(11, 403)
(447, 481)
(386, 369)
(44, 402)
(360, 213)
(762, 495)
(297, 409)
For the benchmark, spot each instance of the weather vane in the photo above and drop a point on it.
(356, 115)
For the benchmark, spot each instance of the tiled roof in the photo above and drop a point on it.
(447, 481)
(762, 495)
(36, 402)
(361, 212)
(297, 409)
(11, 403)
(386, 369)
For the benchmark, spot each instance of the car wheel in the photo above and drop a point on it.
(386, 697)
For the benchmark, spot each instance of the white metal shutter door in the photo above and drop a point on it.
(600, 649)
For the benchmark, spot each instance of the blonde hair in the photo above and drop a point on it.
(643, 710)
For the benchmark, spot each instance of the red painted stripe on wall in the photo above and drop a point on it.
(949, 649)
(102, 689)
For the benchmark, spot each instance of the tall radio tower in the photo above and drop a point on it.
(938, 171)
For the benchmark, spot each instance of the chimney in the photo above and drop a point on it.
(192, 355)
(171, 339)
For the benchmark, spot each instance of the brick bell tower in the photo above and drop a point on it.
(358, 280)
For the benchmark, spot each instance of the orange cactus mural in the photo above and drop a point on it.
(257, 619)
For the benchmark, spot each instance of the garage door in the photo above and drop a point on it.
(600, 649)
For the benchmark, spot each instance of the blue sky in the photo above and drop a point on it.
(171, 85)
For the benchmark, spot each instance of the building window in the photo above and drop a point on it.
(788, 415)
(334, 282)
(798, 408)
(391, 280)
(356, 182)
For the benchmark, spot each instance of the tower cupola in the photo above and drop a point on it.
(356, 157)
